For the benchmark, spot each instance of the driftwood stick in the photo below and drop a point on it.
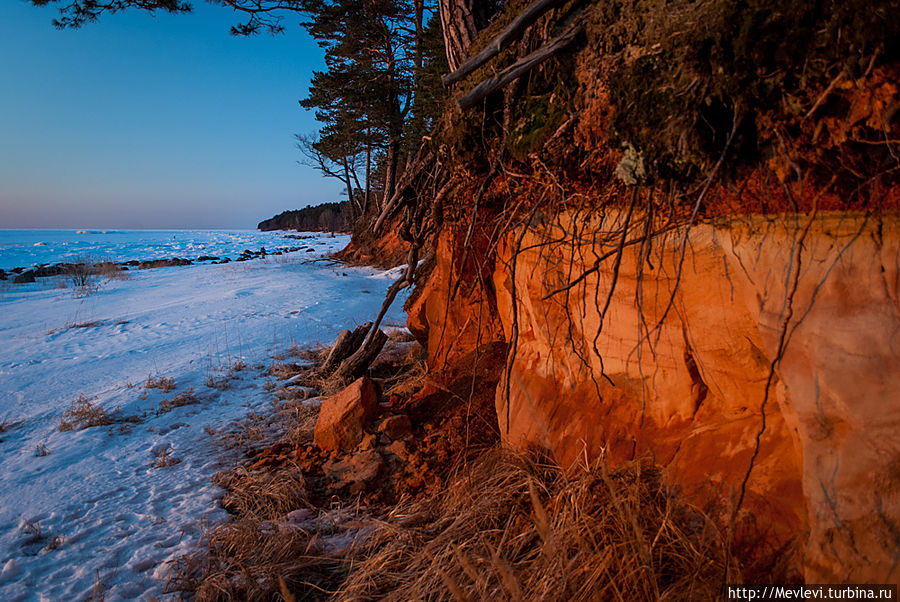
(510, 33)
(519, 68)
(356, 365)
(346, 345)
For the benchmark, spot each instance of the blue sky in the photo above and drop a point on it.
(139, 121)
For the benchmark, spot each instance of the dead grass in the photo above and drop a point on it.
(509, 527)
(83, 414)
(262, 495)
(295, 393)
(282, 370)
(219, 384)
(164, 458)
(182, 399)
(328, 385)
(160, 382)
(301, 418)
(110, 270)
(411, 380)
(246, 560)
(98, 593)
(248, 433)
(516, 528)
(35, 534)
(292, 351)
(87, 324)
(83, 276)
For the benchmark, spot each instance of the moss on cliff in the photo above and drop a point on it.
(800, 90)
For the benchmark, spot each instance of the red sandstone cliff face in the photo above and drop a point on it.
(793, 318)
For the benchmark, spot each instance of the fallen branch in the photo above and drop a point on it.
(356, 365)
(519, 68)
(347, 344)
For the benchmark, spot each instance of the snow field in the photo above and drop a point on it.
(115, 503)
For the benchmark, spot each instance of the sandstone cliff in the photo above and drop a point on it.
(755, 357)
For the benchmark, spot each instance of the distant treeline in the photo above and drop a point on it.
(327, 217)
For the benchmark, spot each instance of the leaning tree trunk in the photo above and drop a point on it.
(461, 20)
(349, 185)
(390, 174)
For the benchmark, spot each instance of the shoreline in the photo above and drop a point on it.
(95, 265)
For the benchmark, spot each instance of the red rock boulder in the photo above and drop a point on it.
(342, 416)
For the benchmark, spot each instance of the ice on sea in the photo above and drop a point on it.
(26, 248)
(118, 517)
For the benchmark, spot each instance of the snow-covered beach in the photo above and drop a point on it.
(86, 505)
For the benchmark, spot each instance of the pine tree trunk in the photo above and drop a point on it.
(461, 20)
(349, 191)
(390, 176)
(368, 167)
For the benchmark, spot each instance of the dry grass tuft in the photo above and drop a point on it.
(301, 418)
(70, 325)
(83, 414)
(262, 495)
(248, 433)
(164, 458)
(220, 384)
(408, 382)
(98, 593)
(295, 393)
(88, 324)
(313, 354)
(35, 535)
(160, 382)
(283, 370)
(247, 560)
(182, 399)
(110, 270)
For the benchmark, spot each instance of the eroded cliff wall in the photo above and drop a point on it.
(758, 358)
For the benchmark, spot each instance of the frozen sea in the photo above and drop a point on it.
(82, 506)
(27, 248)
